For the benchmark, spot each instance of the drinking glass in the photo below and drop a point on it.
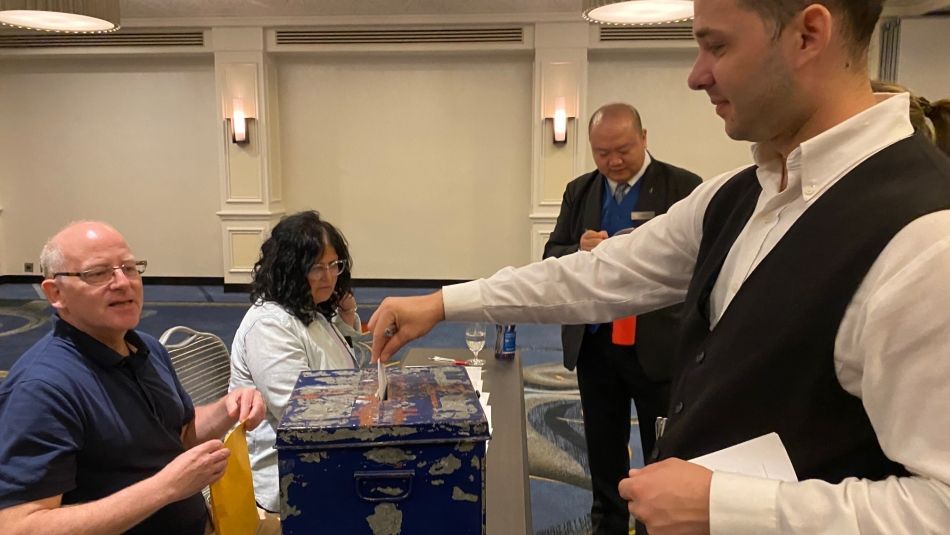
(475, 340)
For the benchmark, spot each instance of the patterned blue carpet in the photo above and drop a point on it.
(560, 482)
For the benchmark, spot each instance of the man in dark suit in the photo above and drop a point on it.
(627, 189)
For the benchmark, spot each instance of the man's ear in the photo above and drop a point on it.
(814, 30)
(53, 294)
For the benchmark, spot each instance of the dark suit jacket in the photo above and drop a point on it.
(663, 185)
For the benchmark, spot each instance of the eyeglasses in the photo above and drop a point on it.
(333, 268)
(100, 275)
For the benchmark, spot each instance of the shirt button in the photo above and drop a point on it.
(809, 189)
(678, 408)
(700, 357)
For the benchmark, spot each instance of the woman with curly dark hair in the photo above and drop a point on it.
(302, 309)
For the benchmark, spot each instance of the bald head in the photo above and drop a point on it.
(616, 111)
(70, 243)
(99, 287)
(618, 141)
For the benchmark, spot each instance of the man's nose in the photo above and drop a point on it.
(119, 279)
(700, 76)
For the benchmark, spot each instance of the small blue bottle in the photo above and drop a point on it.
(505, 343)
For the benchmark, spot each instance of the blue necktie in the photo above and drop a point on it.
(620, 191)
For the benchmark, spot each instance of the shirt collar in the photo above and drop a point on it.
(632, 182)
(819, 162)
(95, 350)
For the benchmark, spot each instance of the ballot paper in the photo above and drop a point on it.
(383, 380)
(487, 410)
(475, 376)
(764, 457)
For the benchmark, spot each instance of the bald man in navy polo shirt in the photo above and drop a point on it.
(93, 415)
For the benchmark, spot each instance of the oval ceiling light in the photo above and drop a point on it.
(68, 16)
(637, 12)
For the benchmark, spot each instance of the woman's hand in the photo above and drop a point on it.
(347, 309)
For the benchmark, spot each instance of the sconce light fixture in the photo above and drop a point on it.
(238, 122)
(637, 12)
(239, 101)
(560, 121)
(72, 16)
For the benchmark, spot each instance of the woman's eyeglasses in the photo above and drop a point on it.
(333, 268)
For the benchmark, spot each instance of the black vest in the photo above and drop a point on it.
(769, 363)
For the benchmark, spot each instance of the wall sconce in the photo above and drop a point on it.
(239, 101)
(560, 126)
(560, 119)
(238, 122)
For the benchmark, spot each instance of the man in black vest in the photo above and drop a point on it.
(815, 286)
(627, 189)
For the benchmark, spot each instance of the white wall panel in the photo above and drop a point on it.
(924, 61)
(423, 161)
(129, 141)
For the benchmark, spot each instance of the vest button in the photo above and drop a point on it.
(678, 408)
(700, 357)
(655, 456)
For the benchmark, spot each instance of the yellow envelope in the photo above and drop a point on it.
(233, 507)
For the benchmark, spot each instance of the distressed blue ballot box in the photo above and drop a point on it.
(411, 464)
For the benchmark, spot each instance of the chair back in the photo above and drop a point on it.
(201, 361)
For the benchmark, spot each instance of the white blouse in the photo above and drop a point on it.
(270, 349)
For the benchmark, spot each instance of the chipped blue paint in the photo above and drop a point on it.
(413, 464)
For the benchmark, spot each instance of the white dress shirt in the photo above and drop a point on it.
(891, 349)
(270, 349)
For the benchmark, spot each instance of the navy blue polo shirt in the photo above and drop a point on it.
(80, 420)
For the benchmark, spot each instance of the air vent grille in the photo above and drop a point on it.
(120, 38)
(514, 34)
(665, 32)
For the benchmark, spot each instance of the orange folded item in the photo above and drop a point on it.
(625, 331)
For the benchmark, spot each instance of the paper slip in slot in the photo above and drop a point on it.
(383, 381)
(764, 456)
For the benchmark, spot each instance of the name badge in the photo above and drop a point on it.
(641, 216)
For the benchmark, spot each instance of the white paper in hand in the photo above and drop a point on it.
(764, 456)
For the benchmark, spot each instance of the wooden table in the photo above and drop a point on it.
(508, 496)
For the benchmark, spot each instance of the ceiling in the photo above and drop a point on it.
(284, 8)
(517, 9)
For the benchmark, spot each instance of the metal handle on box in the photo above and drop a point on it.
(384, 485)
